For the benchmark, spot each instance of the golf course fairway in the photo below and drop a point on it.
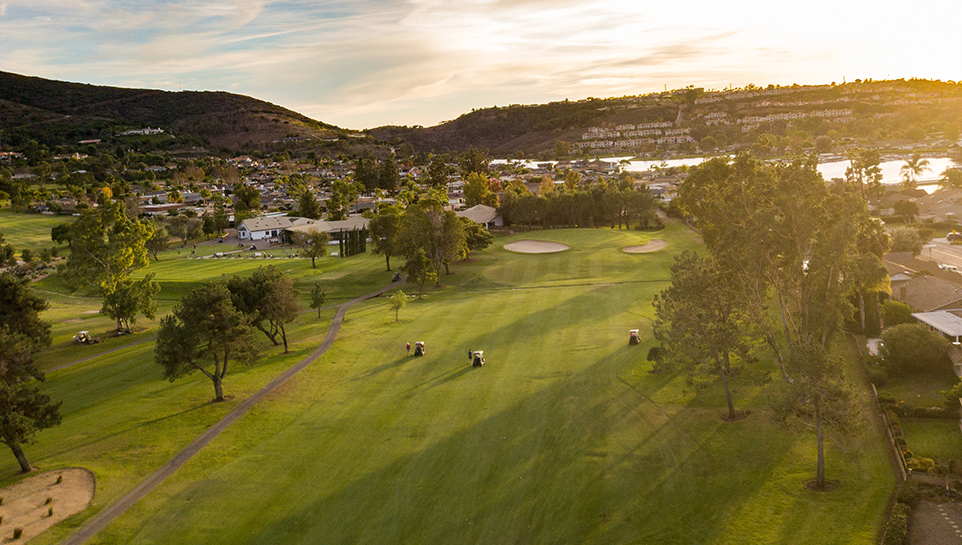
(562, 437)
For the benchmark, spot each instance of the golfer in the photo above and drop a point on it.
(409, 349)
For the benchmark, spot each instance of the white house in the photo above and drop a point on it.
(485, 215)
(267, 227)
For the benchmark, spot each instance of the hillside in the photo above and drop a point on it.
(56, 112)
(892, 113)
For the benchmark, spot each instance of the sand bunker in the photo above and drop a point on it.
(25, 503)
(535, 247)
(653, 245)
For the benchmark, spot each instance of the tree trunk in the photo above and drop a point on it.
(21, 458)
(284, 337)
(218, 388)
(820, 464)
(387, 260)
(318, 313)
(271, 336)
(728, 391)
(861, 308)
(313, 264)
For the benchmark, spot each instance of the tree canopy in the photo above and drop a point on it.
(24, 410)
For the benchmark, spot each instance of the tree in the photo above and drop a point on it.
(307, 206)
(269, 299)
(398, 300)
(389, 176)
(247, 202)
(106, 246)
(912, 169)
(184, 228)
(475, 236)
(366, 171)
(910, 349)
(221, 221)
(473, 161)
(476, 191)
(208, 226)
(906, 209)
(205, 333)
(419, 270)
(438, 232)
(951, 178)
(385, 229)
(129, 299)
(438, 171)
(313, 244)
(896, 312)
(318, 297)
(23, 409)
(701, 320)
(343, 194)
(158, 240)
(787, 240)
(906, 239)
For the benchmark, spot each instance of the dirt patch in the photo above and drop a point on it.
(535, 247)
(25, 504)
(830, 486)
(653, 245)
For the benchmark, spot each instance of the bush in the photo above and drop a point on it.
(908, 493)
(914, 348)
(926, 465)
(896, 312)
(17, 532)
(906, 239)
(930, 412)
(898, 525)
(878, 376)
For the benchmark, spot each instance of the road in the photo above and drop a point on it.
(942, 252)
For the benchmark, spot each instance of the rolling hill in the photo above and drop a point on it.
(57, 112)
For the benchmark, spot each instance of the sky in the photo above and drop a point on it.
(366, 63)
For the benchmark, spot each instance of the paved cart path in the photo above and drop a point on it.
(111, 512)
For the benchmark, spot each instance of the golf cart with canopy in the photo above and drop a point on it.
(478, 358)
(633, 336)
(419, 348)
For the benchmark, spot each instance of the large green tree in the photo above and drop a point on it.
(205, 333)
(702, 321)
(269, 299)
(307, 206)
(130, 299)
(787, 239)
(440, 233)
(313, 244)
(385, 228)
(23, 409)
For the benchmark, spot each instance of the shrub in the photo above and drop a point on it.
(59, 479)
(886, 399)
(878, 376)
(925, 465)
(49, 501)
(896, 312)
(50, 511)
(908, 493)
(906, 453)
(898, 525)
(914, 348)
(17, 532)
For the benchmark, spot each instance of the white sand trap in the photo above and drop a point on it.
(653, 245)
(25, 503)
(535, 247)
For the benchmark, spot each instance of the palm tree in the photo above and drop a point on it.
(912, 169)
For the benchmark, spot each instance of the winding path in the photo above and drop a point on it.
(114, 510)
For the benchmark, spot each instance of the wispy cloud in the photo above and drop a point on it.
(370, 62)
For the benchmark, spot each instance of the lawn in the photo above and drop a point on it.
(30, 231)
(563, 437)
(933, 438)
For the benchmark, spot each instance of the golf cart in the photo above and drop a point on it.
(419, 348)
(478, 358)
(84, 337)
(633, 336)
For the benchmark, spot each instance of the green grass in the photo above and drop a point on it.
(563, 437)
(933, 438)
(920, 390)
(30, 231)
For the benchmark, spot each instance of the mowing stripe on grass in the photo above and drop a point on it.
(95, 356)
(105, 517)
